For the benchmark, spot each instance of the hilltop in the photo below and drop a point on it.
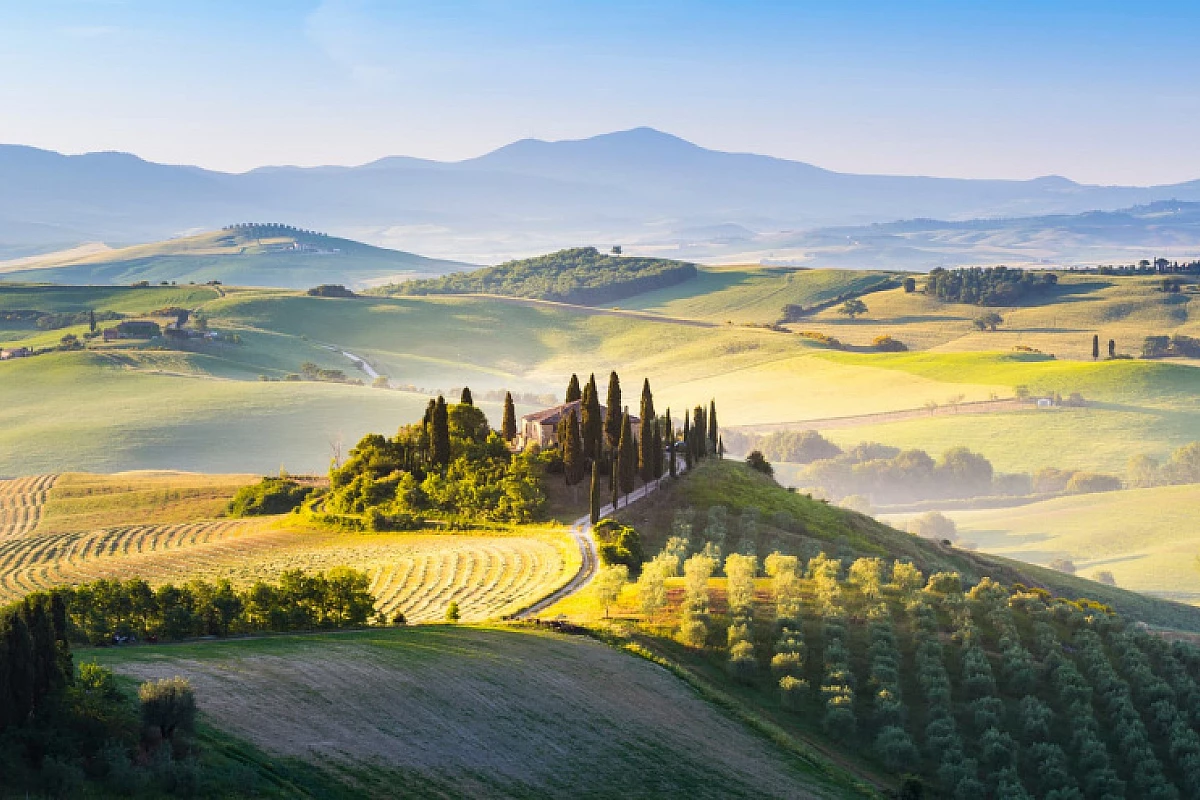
(581, 275)
(245, 254)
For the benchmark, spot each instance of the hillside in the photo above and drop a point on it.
(241, 255)
(894, 656)
(469, 712)
(638, 186)
(582, 276)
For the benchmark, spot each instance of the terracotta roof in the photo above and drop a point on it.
(551, 416)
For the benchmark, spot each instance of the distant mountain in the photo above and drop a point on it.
(527, 197)
(243, 255)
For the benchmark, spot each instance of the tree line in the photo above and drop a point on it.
(986, 286)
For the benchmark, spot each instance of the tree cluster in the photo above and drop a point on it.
(986, 286)
(582, 275)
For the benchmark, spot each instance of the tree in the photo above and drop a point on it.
(452, 614)
(910, 285)
(687, 440)
(651, 585)
(508, 428)
(646, 445)
(988, 322)
(713, 436)
(612, 419)
(465, 398)
(440, 433)
(573, 392)
(1095, 346)
(853, 308)
(92, 321)
(168, 706)
(594, 497)
(592, 421)
(608, 583)
(1112, 348)
(626, 456)
(757, 462)
(933, 525)
(572, 448)
(669, 445)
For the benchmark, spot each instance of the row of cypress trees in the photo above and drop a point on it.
(35, 656)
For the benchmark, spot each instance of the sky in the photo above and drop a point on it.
(1099, 92)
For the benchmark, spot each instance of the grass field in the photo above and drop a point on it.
(1147, 538)
(469, 712)
(165, 527)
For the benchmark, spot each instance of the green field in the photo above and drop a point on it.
(1147, 538)
(470, 712)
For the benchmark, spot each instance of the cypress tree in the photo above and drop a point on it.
(687, 440)
(508, 427)
(573, 392)
(647, 407)
(613, 485)
(591, 422)
(612, 419)
(669, 429)
(440, 433)
(572, 448)
(659, 466)
(713, 435)
(1112, 348)
(594, 497)
(699, 433)
(646, 458)
(627, 456)
(92, 321)
(1095, 346)
(720, 447)
(465, 398)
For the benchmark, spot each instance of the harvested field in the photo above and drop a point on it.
(22, 501)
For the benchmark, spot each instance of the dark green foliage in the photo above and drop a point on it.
(573, 391)
(713, 433)
(138, 329)
(268, 496)
(465, 398)
(581, 275)
(619, 544)
(910, 285)
(591, 421)
(649, 445)
(757, 462)
(668, 428)
(612, 419)
(594, 499)
(508, 427)
(986, 286)
(439, 436)
(330, 290)
(626, 456)
(168, 706)
(574, 462)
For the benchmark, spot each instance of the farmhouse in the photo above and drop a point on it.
(541, 427)
(15, 352)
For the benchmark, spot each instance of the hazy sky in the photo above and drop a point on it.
(1096, 91)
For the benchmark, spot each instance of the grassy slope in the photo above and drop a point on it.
(461, 712)
(232, 258)
(822, 527)
(1145, 537)
(750, 294)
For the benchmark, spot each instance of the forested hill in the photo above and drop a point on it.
(580, 275)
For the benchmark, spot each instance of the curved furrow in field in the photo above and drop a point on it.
(21, 503)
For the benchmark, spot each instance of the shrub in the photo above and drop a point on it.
(268, 496)
(618, 544)
(933, 525)
(758, 462)
(168, 706)
(895, 747)
(1088, 482)
(452, 613)
(790, 691)
(886, 344)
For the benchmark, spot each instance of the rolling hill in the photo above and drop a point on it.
(530, 196)
(242, 255)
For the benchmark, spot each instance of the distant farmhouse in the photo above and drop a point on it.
(541, 427)
(15, 352)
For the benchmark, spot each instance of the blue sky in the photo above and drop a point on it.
(1099, 92)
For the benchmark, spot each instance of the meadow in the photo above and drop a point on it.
(465, 712)
(1145, 538)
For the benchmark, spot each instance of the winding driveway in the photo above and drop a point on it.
(581, 531)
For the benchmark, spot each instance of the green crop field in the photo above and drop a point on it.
(1147, 538)
(471, 712)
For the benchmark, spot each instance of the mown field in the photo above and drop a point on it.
(1147, 538)
(470, 712)
(165, 527)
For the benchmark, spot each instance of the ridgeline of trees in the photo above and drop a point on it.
(581, 275)
(54, 320)
(986, 286)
